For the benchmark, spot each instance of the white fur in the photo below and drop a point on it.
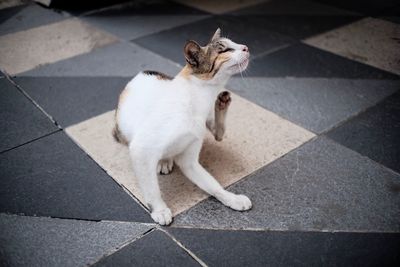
(164, 120)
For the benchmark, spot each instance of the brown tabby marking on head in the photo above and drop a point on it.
(204, 62)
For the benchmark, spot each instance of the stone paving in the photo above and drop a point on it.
(313, 135)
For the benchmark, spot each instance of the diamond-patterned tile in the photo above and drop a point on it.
(170, 43)
(371, 41)
(321, 186)
(317, 104)
(116, 60)
(36, 241)
(370, 7)
(70, 100)
(53, 177)
(20, 120)
(254, 138)
(41, 45)
(374, 133)
(221, 6)
(137, 19)
(297, 19)
(25, 17)
(253, 248)
(301, 60)
(154, 249)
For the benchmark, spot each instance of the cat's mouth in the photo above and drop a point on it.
(241, 66)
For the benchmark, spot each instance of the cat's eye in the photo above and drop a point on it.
(226, 50)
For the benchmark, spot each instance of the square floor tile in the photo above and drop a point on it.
(41, 45)
(321, 186)
(221, 6)
(371, 41)
(370, 7)
(25, 17)
(374, 133)
(170, 43)
(20, 120)
(38, 241)
(301, 60)
(137, 19)
(154, 249)
(10, 3)
(254, 138)
(116, 60)
(70, 100)
(84, 7)
(52, 177)
(317, 104)
(297, 19)
(270, 248)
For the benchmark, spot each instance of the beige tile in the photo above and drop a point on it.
(254, 138)
(25, 50)
(11, 3)
(371, 41)
(222, 6)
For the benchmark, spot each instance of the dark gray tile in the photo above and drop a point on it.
(170, 43)
(374, 133)
(301, 60)
(70, 100)
(137, 19)
(154, 249)
(21, 18)
(36, 241)
(317, 104)
(116, 60)
(53, 177)
(20, 120)
(369, 7)
(82, 7)
(319, 186)
(253, 248)
(297, 19)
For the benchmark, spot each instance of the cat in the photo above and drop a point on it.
(163, 120)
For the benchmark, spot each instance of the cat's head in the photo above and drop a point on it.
(220, 58)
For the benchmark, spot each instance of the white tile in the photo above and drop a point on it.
(371, 41)
(255, 137)
(25, 50)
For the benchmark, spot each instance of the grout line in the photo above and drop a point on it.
(30, 141)
(191, 254)
(20, 89)
(266, 230)
(123, 245)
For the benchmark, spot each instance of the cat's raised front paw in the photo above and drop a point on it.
(165, 166)
(223, 100)
(162, 217)
(238, 202)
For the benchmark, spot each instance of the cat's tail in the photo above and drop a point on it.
(118, 136)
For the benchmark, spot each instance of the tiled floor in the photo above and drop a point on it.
(313, 135)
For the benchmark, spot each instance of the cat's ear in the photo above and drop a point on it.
(216, 35)
(192, 53)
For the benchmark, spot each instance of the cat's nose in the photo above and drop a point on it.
(245, 48)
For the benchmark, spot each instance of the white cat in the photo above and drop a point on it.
(164, 120)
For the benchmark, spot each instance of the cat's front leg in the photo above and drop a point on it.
(191, 168)
(221, 108)
(144, 166)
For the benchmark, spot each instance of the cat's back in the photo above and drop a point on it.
(150, 98)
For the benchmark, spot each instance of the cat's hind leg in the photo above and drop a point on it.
(165, 166)
(144, 166)
(191, 168)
